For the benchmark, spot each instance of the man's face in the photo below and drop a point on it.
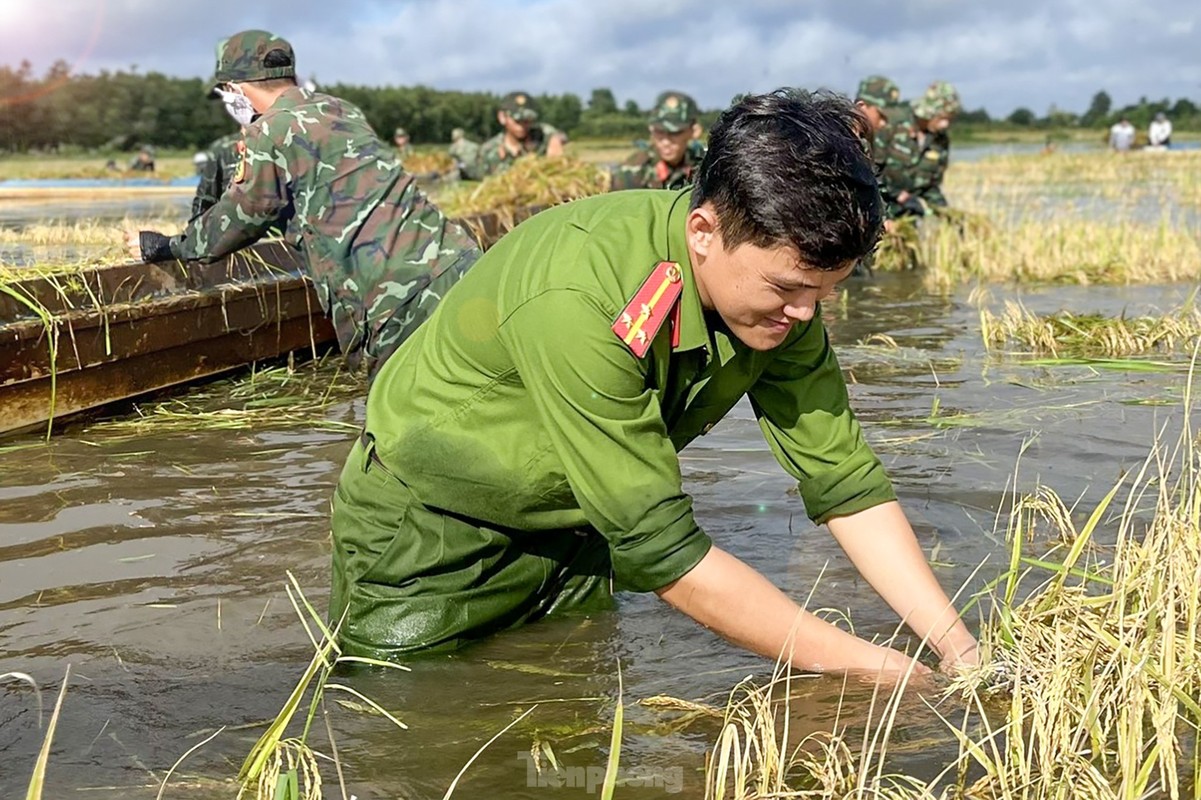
(518, 129)
(875, 117)
(940, 122)
(760, 293)
(670, 146)
(401, 141)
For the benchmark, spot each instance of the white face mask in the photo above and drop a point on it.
(238, 105)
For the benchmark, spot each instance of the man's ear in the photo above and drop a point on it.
(500, 117)
(701, 229)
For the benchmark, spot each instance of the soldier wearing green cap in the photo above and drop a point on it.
(675, 149)
(379, 253)
(521, 134)
(400, 139)
(463, 151)
(922, 148)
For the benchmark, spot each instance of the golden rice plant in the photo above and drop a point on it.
(1099, 666)
(1061, 249)
(756, 756)
(530, 181)
(1065, 333)
(86, 232)
(430, 161)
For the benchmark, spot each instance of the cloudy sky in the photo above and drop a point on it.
(1000, 54)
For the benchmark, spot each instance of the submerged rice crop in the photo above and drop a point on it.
(1068, 334)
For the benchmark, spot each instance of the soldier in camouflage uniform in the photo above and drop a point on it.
(876, 95)
(522, 134)
(463, 151)
(918, 152)
(400, 138)
(221, 160)
(380, 254)
(675, 150)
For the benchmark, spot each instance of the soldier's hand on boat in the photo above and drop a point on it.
(148, 246)
(133, 245)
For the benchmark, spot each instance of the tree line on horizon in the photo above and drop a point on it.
(59, 111)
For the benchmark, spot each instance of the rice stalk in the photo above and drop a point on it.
(1067, 334)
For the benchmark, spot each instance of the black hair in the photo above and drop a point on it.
(277, 58)
(791, 168)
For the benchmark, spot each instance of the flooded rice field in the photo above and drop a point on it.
(152, 559)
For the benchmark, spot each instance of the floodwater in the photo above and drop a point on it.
(153, 565)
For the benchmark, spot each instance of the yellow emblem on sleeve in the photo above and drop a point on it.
(643, 317)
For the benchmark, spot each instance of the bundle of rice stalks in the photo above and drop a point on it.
(432, 162)
(900, 247)
(755, 757)
(1067, 334)
(1100, 665)
(289, 396)
(530, 181)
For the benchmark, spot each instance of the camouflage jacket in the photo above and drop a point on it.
(903, 164)
(464, 152)
(645, 170)
(380, 254)
(493, 157)
(930, 168)
(223, 157)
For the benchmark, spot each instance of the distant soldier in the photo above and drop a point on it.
(221, 159)
(876, 95)
(919, 151)
(400, 139)
(675, 150)
(521, 135)
(144, 160)
(463, 150)
(379, 253)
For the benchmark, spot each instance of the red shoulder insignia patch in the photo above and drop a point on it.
(645, 314)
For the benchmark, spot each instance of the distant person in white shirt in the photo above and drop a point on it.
(1121, 135)
(1160, 132)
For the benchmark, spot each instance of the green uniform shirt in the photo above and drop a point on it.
(516, 403)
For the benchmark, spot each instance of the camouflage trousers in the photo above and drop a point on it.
(409, 578)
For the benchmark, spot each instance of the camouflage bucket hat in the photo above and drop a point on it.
(940, 99)
(673, 112)
(878, 91)
(399, 132)
(520, 106)
(244, 57)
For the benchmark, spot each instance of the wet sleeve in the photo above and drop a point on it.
(805, 415)
(608, 430)
(245, 211)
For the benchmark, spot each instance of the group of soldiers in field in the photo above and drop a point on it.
(910, 143)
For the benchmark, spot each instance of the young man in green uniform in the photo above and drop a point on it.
(674, 153)
(519, 455)
(379, 253)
